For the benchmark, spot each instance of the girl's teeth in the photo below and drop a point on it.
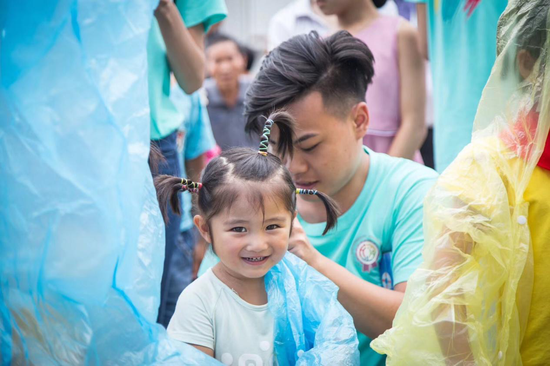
(259, 259)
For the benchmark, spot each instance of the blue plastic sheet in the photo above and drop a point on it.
(81, 236)
(311, 327)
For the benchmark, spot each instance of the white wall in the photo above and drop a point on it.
(248, 20)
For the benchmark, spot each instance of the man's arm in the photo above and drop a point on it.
(184, 47)
(372, 307)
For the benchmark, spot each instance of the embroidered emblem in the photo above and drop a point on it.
(367, 253)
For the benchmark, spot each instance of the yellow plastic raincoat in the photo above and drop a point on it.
(469, 302)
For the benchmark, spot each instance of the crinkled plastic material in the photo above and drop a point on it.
(469, 301)
(81, 236)
(311, 326)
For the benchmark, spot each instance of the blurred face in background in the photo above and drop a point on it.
(224, 63)
(331, 7)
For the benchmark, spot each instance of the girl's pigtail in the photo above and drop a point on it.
(285, 124)
(168, 187)
(155, 158)
(330, 207)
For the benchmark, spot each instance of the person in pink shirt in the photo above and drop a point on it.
(397, 97)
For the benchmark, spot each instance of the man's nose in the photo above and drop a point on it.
(296, 165)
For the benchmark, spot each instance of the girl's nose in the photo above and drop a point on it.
(257, 245)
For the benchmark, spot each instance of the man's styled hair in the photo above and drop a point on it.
(339, 67)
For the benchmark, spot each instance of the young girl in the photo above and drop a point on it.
(396, 98)
(247, 202)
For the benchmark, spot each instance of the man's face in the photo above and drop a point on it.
(327, 147)
(225, 63)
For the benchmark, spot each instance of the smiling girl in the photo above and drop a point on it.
(247, 202)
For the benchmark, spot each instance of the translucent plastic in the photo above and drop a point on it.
(311, 327)
(468, 302)
(81, 236)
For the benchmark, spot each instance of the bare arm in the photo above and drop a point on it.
(194, 168)
(208, 351)
(412, 131)
(422, 29)
(184, 47)
(372, 307)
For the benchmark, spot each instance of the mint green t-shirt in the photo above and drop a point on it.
(165, 118)
(380, 238)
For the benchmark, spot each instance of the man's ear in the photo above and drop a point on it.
(526, 63)
(204, 230)
(361, 119)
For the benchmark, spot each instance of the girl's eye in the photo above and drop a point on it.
(310, 148)
(239, 229)
(272, 227)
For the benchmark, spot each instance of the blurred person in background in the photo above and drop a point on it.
(298, 17)
(175, 44)
(225, 90)
(397, 97)
(451, 33)
(194, 140)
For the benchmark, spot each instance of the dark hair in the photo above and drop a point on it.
(531, 35)
(379, 3)
(250, 56)
(340, 67)
(218, 37)
(222, 175)
(155, 157)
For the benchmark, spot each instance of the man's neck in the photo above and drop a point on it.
(314, 212)
(230, 95)
(358, 16)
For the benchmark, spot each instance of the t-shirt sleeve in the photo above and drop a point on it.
(199, 138)
(408, 235)
(192, 321)
(207, 12)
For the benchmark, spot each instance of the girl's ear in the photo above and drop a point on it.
(202, 225)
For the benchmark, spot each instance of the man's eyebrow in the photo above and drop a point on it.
(297, 141)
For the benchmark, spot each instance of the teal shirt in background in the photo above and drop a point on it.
(195, 138)
(380, 238)
(462, 51)
(165, 118)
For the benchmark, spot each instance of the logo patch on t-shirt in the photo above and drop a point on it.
(367, 253)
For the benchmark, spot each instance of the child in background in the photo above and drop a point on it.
(481, 296)
(247, 202)
(397, 97)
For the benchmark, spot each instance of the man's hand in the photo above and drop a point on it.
(300, 246)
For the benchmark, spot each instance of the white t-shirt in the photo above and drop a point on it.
(210, 314)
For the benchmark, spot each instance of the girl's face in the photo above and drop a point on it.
(248, 242)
